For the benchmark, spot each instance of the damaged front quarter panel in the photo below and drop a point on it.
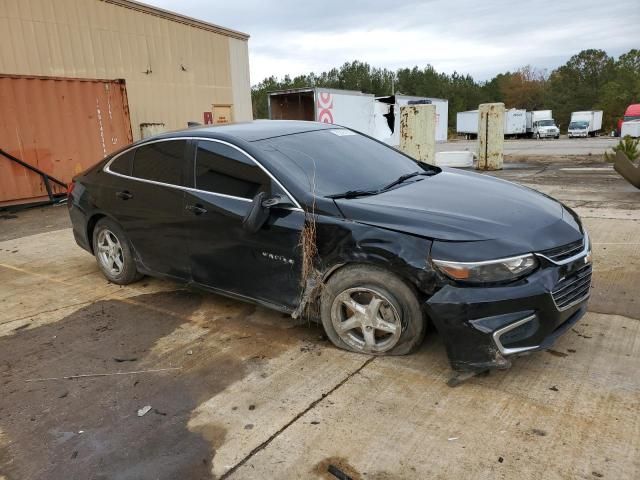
(342, 242)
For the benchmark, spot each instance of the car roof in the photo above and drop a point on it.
(251, 131)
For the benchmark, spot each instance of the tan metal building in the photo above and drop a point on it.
(172, 69)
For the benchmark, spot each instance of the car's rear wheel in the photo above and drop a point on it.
(367, 309)
(113, 253)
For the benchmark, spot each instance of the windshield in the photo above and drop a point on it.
(546, 123)
(579, 125)
(330, 162)
(631, 117)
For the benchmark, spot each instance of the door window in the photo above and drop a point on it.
(161, 162)
(220, 168)
(122, 164)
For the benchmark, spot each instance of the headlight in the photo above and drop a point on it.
(489, 271)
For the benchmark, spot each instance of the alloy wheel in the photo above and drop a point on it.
(110, 252)
(366, 320)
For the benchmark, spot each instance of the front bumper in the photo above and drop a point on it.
(548, 134)
(578, 134)
(485, 327)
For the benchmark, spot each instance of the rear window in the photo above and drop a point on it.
(161, 162)
(220, 168)
(123, 163)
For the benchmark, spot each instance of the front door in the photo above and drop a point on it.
(263, 266)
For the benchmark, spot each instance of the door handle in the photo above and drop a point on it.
(196, 209)
(124, 195)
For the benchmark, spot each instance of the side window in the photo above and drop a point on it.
(160, 162)
(122, 164)
(220, 168)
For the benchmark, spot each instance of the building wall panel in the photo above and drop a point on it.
(174, 69)
(61, 126)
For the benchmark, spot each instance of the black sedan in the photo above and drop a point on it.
(316, 219)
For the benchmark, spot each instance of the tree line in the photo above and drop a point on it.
(590, 80)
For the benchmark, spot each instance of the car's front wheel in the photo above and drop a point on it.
(367, 309)
(113, 253)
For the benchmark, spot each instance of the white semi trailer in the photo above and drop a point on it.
(630, 128)
(377, 117)
(585, 124)
(515, 123)
(348, 108)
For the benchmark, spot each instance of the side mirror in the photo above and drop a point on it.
(257, 215)
(276, 201)
(258, 212)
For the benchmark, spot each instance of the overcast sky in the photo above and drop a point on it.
(479, 37)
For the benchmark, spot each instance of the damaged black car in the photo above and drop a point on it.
(311, 218)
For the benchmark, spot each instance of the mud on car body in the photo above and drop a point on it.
(303, 216)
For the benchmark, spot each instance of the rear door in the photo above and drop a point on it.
(147, 201)
(264, 265)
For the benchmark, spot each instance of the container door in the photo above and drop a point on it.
(41, 121)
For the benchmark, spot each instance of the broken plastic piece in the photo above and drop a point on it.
(144, 410)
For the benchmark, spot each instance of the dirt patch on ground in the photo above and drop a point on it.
(18, 222)
(89, 427)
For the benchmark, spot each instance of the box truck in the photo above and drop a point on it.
(377, 117)
(585, 124)
(515, 123)
(540, 124)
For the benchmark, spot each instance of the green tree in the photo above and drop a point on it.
(589, 80)
(578, 84)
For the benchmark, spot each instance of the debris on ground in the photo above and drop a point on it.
(125, 359)
(144, 410)
(339, 474)
(555, 353)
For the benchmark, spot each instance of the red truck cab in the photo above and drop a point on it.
(631, 113)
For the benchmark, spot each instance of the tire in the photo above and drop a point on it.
(558, 137)
(537, 136)
(396, 305)
(111, 247)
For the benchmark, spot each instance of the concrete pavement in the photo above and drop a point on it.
(239, 392)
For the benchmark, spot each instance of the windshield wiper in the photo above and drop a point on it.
(398, 181)
(353, 194)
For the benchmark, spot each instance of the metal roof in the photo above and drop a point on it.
(312, 89)
(176, 17)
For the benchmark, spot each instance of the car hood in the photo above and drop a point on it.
(459, 206)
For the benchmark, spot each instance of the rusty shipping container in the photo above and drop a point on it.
(59, 125)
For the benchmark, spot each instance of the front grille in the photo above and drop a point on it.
(573, 288)
(563, 252)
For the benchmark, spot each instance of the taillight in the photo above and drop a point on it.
(70, 188)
